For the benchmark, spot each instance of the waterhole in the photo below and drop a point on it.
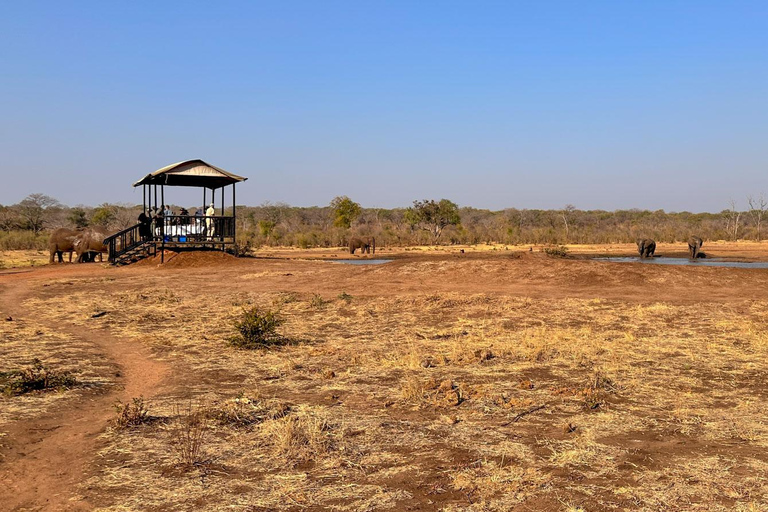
(714, 262)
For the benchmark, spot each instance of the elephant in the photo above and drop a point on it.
(62, 240)
(694, 247)
(364, 244)
(90, 241)
(646, 247)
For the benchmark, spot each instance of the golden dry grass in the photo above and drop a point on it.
(21, 259)
(22, 340)
(434, 400)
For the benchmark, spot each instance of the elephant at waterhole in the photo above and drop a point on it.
(364, 244)
(646, 247)
(694, 247)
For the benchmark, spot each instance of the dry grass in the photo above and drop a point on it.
(23, 341)
(440, 401)
(131, 414)
(27, 258)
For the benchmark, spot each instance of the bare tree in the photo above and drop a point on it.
(566, 214)
(732, 219)
(33, 208)
(757, 208)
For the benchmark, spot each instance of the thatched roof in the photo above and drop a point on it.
(191, 173)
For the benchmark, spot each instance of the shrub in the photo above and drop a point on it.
(303, 437)
(559, 251)
(257, 328)
(23, 240)
(345, 297)
(189, 435)
(35, 378)
(242, 411)
(132, 413)
(317, 301)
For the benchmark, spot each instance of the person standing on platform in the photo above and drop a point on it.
(209, 226)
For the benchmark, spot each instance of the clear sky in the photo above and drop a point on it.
(528, 104)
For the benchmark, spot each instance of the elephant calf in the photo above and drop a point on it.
(364, 244)
(694, 247)
(646, 247)
(90, 241)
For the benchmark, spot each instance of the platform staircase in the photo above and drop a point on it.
(127, 246)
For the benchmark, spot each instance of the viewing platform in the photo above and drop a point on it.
(212, 229)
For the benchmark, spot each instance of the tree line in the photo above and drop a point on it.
(25, 225)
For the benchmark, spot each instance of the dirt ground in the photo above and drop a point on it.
(497, 379)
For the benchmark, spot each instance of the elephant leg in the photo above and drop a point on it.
(70, 256)
(60, 255)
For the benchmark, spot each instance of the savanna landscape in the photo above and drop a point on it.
(384, 256)
(451, 378)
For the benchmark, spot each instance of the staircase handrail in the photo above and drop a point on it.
(129, 238)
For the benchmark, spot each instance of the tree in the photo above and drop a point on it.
(8, 218)
(566, 214)
(78, 217)
(104, 214)
(757, 208)
(433, 216)
(344, 211)
(33, 210)
(266, 227)
(732, 218)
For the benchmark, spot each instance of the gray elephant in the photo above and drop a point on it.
(646, 247)
(90, 241)
(694, 247)
(62, 240)
(364, 244)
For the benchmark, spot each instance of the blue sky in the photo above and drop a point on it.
(606, 105)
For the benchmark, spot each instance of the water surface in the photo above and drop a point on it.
(361, 262)
(714, 262)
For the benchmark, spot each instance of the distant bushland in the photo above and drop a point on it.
(26, 225)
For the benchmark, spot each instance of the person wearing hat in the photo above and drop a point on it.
(210, 212)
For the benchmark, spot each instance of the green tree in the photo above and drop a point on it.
(104, 214)
(266, 227)
(345, 211)
(433, 216)
(78, 217)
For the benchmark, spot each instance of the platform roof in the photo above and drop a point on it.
(191, 173)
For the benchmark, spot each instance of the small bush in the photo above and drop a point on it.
(345, 297)
(559, 251)
(23, 240)
(257, 328)
(303, 437)
(131, 414)
(243, 411)
(189, 435)
(35, 378)
(317, 301)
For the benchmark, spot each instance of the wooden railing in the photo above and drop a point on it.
(176, 229)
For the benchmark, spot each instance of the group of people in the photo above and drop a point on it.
(155, 218)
